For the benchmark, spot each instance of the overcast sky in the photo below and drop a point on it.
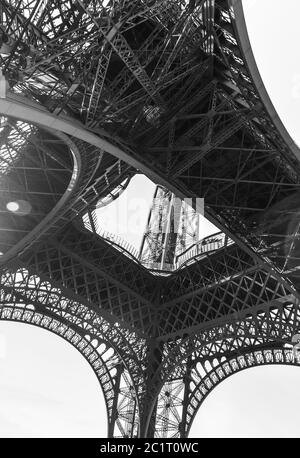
(47, 389)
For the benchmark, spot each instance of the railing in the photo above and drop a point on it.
(91, 223)
(119, 243)
(207, 245)
(211, 243)
(99, 191)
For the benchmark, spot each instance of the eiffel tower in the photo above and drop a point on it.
(93, 92)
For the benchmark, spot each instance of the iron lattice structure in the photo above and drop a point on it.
(94, 92)
(172, 229)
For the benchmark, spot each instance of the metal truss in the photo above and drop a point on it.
(224, 298)
(98, 274)
(181, 399)
(97, 93)
(172, 228)
(29, 299)
(256, 338)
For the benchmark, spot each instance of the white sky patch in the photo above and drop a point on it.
(47, 389)
(127, 216)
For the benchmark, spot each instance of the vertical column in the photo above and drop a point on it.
(149, 401)
(114, 409)
(185, 402)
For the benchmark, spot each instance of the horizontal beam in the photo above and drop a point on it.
(22, 108)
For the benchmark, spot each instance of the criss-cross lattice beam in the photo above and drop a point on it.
(266, 327)
(181, 399)
(99, 275)
(41, 305)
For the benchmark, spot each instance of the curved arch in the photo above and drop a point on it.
(85, 348)
(245, 46)
(248, 325)
(82, 173)
(62, 201)
(20, 107)
(47, 387)
(101, 356)
(267, 327)
(20, 286)
(204, 384)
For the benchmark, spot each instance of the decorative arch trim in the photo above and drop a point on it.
(89, 349)
(201, 387)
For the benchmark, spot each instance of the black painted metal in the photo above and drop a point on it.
(172, 84)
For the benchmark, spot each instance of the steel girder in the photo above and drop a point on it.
(229, 121)
(180, 399)
(29, 299)
(94, 271)
(172, 228)
(246, 291)
(260, 337)
(171, 88)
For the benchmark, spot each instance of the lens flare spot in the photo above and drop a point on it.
(19, 207)
(13, 206)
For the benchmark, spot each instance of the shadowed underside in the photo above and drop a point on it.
(96, 94)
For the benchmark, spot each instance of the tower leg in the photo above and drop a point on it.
(149, 404)
(114, 415)
(186, 381)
